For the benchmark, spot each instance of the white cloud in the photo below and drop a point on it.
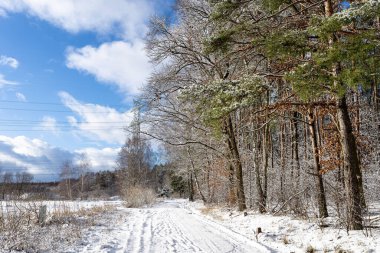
(44, 161)
(100, 159)
(9, 61)
(49, 124)
(24, 146)
(33, 155)
(17, 164)
(97, 122)
(123, 64)
(126, 17)
(21, 97)
(4, 82)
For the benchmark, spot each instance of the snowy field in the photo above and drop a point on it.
(53, 206)
(181, 226)
(64, 223)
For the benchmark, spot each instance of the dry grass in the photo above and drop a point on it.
(207, 210)
(21, 231)
(285, 240)
(211, 211)
(66, 214)
(138, 197)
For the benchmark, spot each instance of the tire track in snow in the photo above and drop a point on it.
(181, 238)
(207, 237)
(139, 239)
(168, 228)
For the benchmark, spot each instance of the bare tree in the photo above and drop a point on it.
(83, 167)
(67, 175)
(135, 158)
(21, 181)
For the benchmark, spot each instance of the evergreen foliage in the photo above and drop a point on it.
(218, 99)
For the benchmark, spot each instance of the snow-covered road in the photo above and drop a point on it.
(167, 227)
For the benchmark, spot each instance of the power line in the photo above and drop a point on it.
(56, 111)
(63, 124)
(52, 103)
(47, 129)
(57, 161)
(85, 125)
(55, 164)
(39, 121)
(29, 164)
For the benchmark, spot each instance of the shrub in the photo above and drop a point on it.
(310, 249)
(138, 196)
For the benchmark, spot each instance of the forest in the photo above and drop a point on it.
(268, 105)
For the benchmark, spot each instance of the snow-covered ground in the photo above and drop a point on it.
(181, 226)
(287, 234)
(166, 227)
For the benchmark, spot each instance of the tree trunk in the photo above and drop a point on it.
(233, 148)
(305, 138)
(266, 147)
(376, 97)
(261, 198)
(295, 156)
(321, 197)
(209, 192)
(232, 187)
(190, 186)
(259, 188)
(349, 149)
(250, 178)
(262, 188)
(195, 176)
(82, 183)
(357, 126)
(282, 159)
(352, 171)
(68, 187)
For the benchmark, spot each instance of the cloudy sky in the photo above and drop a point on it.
(69, 71)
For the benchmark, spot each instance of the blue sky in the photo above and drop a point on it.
(69, 71)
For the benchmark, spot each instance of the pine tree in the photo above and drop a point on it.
(322, 55)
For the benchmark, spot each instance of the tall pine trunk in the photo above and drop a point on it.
(352, 173)
(296, 168)
(234, 151)
(282, 160)
(321, 196)
(232, 187)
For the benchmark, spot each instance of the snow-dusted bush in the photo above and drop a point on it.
(138, 196)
